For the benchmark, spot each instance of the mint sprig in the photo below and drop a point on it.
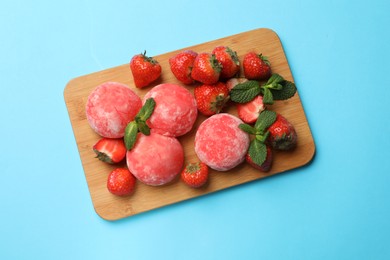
(257, 148)
(139, 124)
(276, 88)
(245, 92)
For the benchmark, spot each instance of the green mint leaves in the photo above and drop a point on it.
(139, 124)
(276, 88)
(258, 149)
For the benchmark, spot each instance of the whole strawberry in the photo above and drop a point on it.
(206, 69)
(121, 182)
(266, 165)
(211, 99)
(256, 66)
(145, 70)
(229, 61)
(282, 134)
(110, 150)
(195, 175)
(249, 111)
(181, 66)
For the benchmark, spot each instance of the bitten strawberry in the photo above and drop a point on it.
(121, 182)
(145, 70)
(181, 66)
(256, 66)
(282, 134)
(249, 112)
(110, 150)
(206, 69)
(266, 165)
(195, 175)
(211, 99)
(229, 61)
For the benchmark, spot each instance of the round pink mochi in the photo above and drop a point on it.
(219, 142)
(175, 112)
(155, 159)
(110, 107)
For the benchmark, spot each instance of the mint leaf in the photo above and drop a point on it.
(257, 151)
(146, 110)
(268, 98)
(275, 79)
(245, 92)
(247, 128)
(286, 92)
(265, 120)
(131, 134)
(143, 128)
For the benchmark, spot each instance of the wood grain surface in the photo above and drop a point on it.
(145, 197)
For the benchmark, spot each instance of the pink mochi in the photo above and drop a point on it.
(110, 107)
(175, 112)
(219, 142)
(155, 159)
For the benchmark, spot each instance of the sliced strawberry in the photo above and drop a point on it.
(110, 150)
(249, 112)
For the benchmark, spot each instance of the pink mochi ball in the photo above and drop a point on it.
(110, 107)
(219, 142)
(175, 112)
(155, 159)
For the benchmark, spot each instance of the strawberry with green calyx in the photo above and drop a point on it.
(145, 70)
(256, 66)
(110, 150)
(206, 68)
(228, 60)
(121, 182)
(195, 175)
(282, 134)
(276, 88)
(181, 66)
(139, 123)
(211, 99)
(258, 153)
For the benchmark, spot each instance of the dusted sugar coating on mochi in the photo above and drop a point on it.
(175, 112)
(110, 107)
(155, 159)
(219, 142)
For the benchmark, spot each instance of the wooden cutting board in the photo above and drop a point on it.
(145, 197)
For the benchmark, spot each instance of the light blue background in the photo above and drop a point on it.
(335, 208)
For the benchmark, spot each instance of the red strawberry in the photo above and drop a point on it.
(110, 150)
(181, 66)
(282, 134)
(195, 174)
(249, 112)
(266, 165)
(211, 99)
(256, 66)
(145, 70)
(229, 61)
(206, 69)
(231, 83)
(121, 182)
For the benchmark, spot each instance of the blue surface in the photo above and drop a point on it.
(335, 208)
